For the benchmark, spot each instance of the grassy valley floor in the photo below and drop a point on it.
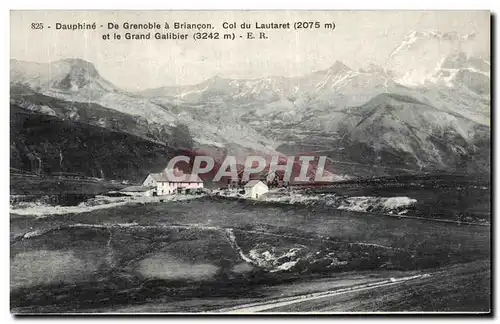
(211, 253)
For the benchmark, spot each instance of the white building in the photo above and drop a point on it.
(255, 188)
(166, 186)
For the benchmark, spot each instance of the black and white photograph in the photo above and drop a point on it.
(250, 162)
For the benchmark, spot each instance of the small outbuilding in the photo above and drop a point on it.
(255, 188)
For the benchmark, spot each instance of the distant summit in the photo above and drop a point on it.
(415, 59)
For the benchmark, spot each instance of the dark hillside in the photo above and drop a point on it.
(45, 144)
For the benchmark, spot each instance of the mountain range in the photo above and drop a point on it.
(377, 120)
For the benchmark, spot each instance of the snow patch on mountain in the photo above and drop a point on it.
(389, 205)
(414, 60)
(414, 38)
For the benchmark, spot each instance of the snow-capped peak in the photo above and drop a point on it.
(414, 59)
(460, 70)
(415, 37)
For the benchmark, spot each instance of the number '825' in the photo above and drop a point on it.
(36, 25)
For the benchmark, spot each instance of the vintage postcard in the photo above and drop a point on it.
(250, 162)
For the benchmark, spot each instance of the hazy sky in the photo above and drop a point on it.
(360, 38)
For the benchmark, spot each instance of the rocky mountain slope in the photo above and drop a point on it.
(405, 116)
(77, 81)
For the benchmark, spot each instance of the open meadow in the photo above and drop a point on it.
(231, 251)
